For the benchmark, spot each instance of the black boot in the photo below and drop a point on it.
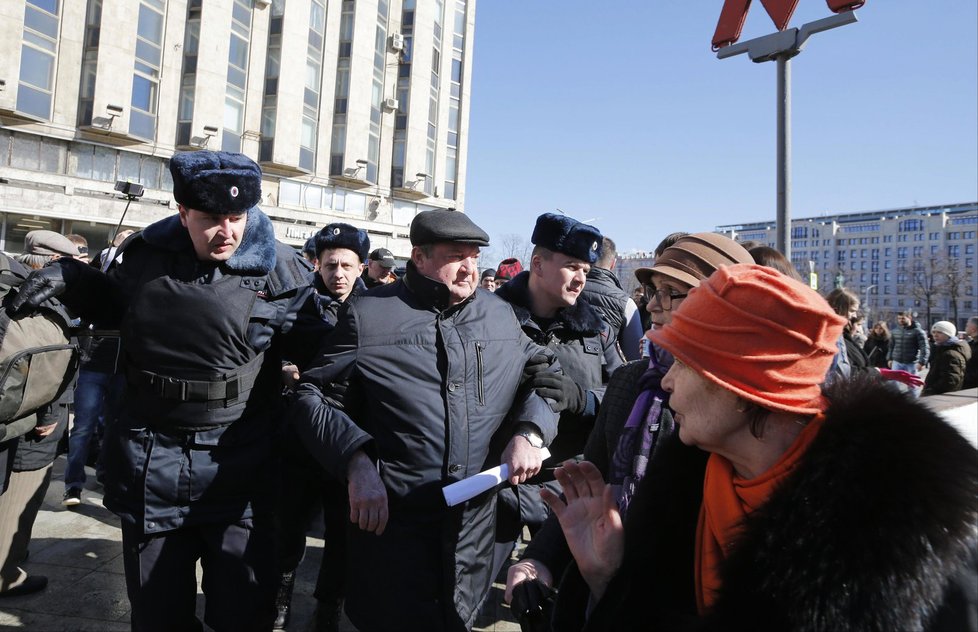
(283, 600)
(328, 614)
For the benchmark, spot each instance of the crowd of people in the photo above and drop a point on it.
(725, 449)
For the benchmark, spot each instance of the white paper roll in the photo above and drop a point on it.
(474, 485)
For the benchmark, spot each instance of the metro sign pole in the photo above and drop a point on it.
(779, 47)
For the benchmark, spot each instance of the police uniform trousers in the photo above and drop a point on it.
(304, 489)
(238, 576)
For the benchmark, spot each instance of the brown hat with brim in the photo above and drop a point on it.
(694, 258)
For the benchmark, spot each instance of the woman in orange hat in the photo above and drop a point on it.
(775, 507)
(635, 409)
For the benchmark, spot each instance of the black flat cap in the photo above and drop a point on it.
(216, 181)
(431, 227)
(568, 236)
(339, 235)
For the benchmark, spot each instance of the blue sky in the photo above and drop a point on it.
(620, 111)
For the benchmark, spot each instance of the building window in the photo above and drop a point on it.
(377, 92)
(455, 103)
(86, 89)
(309, 132)
(337, 150)
(146, 71)
(188, 81)
(38, 54)
(237, 76)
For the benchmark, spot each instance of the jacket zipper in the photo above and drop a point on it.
(478, 361)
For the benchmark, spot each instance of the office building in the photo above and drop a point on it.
(916, 258)
(357, 110)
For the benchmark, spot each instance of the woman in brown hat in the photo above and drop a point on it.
(635, 408)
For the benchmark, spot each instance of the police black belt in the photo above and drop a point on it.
(226, 390)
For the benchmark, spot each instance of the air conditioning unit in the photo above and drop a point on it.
(390, 103)
(397, 42)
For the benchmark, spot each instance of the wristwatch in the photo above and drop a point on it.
(532, 436)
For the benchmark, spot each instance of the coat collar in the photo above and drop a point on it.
(580, 318)
(430, 292)
(255, 254)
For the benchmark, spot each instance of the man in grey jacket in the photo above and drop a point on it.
(909, 349)
(419, 387)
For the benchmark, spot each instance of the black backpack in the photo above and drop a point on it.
(37, 357)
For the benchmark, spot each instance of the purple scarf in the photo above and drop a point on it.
(638, 436)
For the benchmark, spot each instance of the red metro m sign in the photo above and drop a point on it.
(734, 13)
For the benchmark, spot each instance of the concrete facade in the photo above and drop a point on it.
(393, 76)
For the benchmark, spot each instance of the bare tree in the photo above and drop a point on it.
(514, 245)
(927, 282)
(956, 277)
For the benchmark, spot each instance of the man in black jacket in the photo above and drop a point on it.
(340, 250)
(206, 303)
(431, 366)
(605, 294)
(547, 300)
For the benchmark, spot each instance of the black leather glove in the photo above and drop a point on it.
(532, 603)
(41, 285)
(536, 364)
(563, 392)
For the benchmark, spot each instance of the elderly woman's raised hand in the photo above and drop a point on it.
(591, 523)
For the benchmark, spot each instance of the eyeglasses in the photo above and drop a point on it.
(663, 297)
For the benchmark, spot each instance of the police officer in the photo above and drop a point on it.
(340, 250)
(547, 303)
(200, 297)
(430, 400)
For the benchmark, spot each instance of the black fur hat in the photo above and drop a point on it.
(216, 181)
(568, 236)
(339, 235)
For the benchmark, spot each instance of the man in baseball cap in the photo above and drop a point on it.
(380, 268)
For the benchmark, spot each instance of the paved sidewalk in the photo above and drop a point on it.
(80, 551)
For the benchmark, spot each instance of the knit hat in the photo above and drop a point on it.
(566, 235)
(488, 273)
(771, 341)
(695, 257)
(216, 181)
(340, 235)
(945, 327)
(508, 268)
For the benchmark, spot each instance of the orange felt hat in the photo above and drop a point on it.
(757, 333)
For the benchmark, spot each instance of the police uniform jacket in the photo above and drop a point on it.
(588, 352)
(432, 395)
(203, 344)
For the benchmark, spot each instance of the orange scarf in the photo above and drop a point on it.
(727, 501)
